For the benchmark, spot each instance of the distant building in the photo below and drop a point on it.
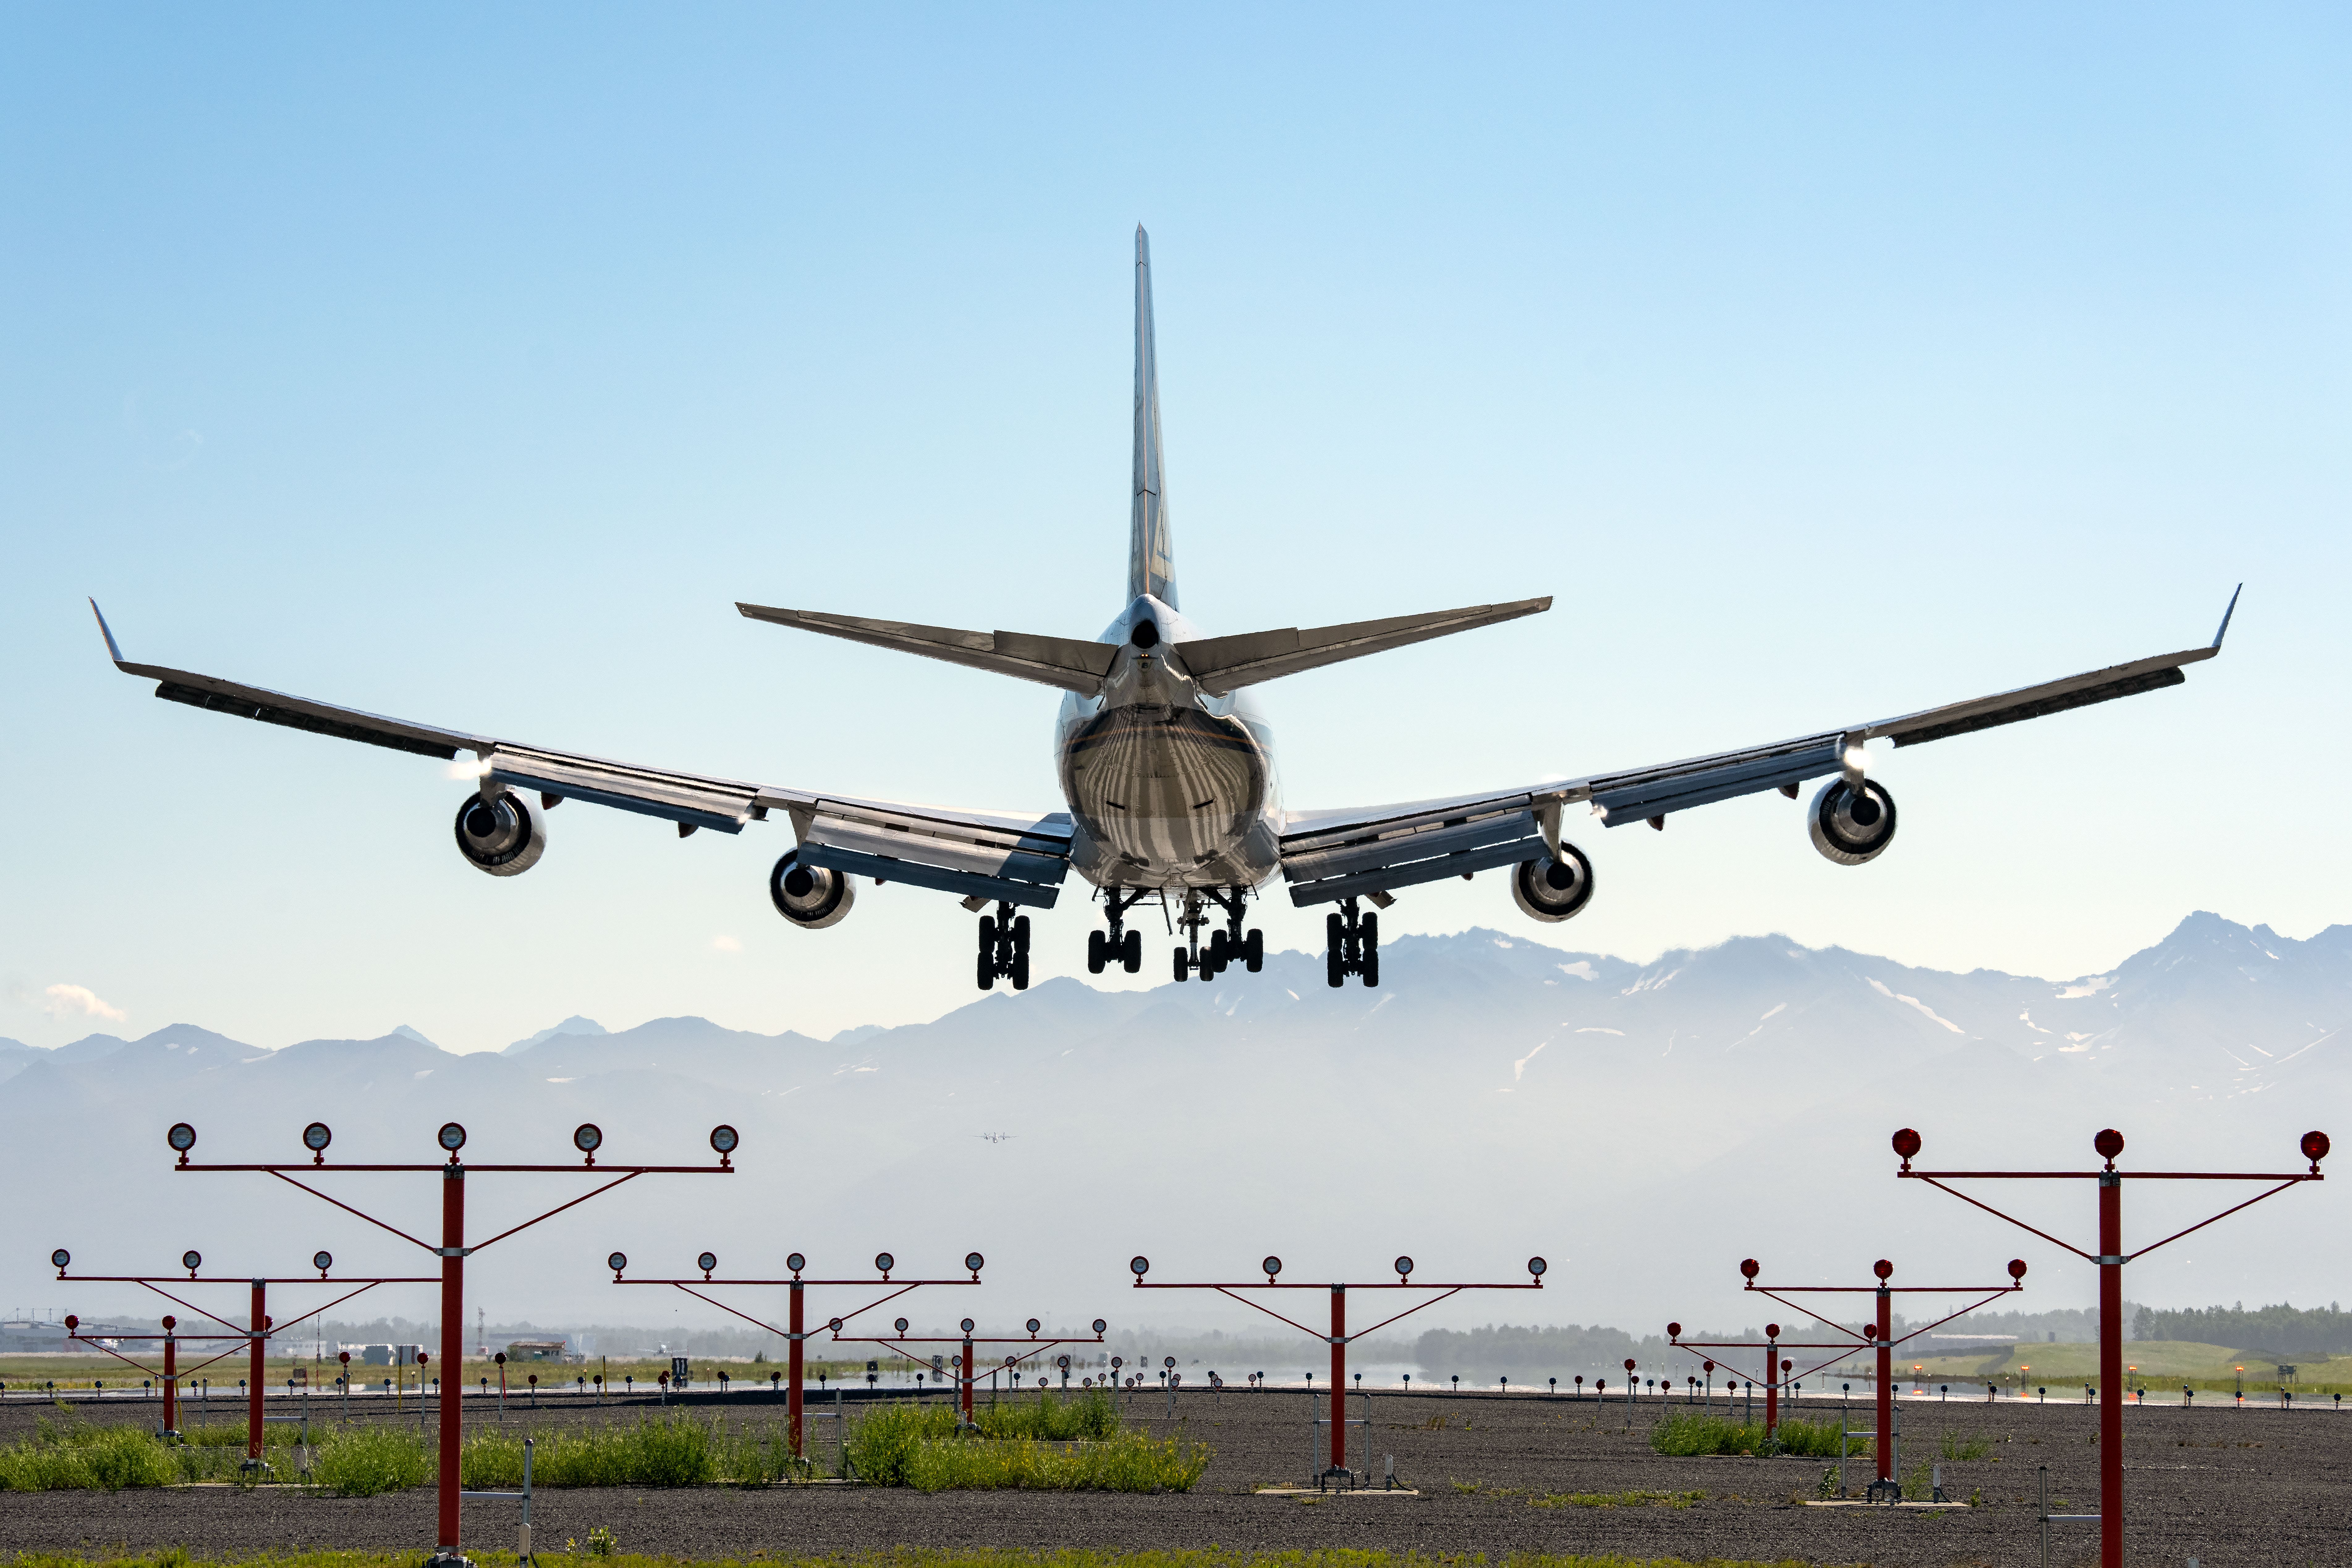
(535, 1350)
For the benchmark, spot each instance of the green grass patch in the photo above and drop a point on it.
(1685, 1435)
(1617, 1500)
(367, 1461)
(1075, 1445)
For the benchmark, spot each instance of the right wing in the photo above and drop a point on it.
(1019, 857)
(1329, 855)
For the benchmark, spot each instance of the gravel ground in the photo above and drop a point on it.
(2229, 1487)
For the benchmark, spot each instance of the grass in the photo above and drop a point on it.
(69, 1454)
(1683, 1436)
(1617, 1500)
(367, 1461)
(1213, 1558)
(1049, 1443)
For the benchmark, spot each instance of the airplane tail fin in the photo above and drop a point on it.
(1150, 556)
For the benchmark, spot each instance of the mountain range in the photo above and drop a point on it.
(1642, 1125)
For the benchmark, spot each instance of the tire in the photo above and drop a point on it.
(1021, 933)
(1333, 972)
(1021, 972)
(1095, 950)
(1371, 969)
(1368, 941)
(1131, 954)
(988, 936)
(1253, 952)
(987, 972)
(1183, 966)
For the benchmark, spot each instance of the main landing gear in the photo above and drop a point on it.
(1352, 945)
(1120, 946)
(1222, 947)
(1004, 947)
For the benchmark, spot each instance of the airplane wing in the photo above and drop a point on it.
(1020, 857)
(1329, 855)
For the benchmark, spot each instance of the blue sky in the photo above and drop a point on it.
(468, 365)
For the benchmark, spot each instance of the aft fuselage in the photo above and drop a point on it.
(1168, 786)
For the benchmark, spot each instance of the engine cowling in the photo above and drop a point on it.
(811, 897)
(1850, 827)
(1552, 890)
(505, 836)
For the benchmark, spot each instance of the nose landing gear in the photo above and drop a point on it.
(1352, 945)
(1120, 946)
(1004, 949)
(1222, 947)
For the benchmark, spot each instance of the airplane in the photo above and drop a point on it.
(1168, 775)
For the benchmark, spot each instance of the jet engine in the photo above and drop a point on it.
(1850, 827)
(505, 836)
(1553, 889)
(811, 897)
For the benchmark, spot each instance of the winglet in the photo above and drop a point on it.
(2217, 635)
(112, 651)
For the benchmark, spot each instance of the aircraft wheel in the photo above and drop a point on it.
(1131, 952)
(1183, 966)
(1095, 948)
(1371, 939)
(1253, 952)
(1021, 934)
(1021, 972)
(988, 936)
(987, 969)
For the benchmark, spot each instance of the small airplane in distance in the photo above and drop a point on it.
(1166, 769)
(996, 1137)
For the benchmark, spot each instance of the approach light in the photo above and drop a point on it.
(73, 1324)
(322, 1260)
(834, 1323)
(617, 1261)
(1907, 1145)
(1883, 1268)
(884, 1263)
(2017, 1268)
(967, 1325)
(1033, 1327)
(2314, 1147)
(192, 1260)
(900, 1324)
(1673, 1331)
(706, 1261)
(1772, 1331)
(1168, 1361)
(317, 1136)
(1404, 1267)
(1117, 1361)
(1100, 1326)
(181, 1137)
(1750, 1268)
(587, 1138)
(1535, 1266)
(60, 1257)
(974, 1261)
(724, 1138)
(2109, 1144)
(169, 1321)
(1062, 1362)
(1271, 1264)
(451, 1137)
(1139, 1266)
(796, 1262)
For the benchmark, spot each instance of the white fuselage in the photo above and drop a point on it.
(1168, 786)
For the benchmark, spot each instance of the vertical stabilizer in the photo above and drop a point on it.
(1151, 557)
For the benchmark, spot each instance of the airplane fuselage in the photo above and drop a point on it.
(1166, 785)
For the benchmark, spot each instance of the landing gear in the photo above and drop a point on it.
(1211, 959)
(1352, 945)
(1120, 945)
(1004, 947)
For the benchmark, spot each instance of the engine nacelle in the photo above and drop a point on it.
(1851, 829)
(505, 836)
(811, 897)
(1552, 890)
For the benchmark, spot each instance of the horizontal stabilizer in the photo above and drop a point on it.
(1066, 662)
(1222, 665)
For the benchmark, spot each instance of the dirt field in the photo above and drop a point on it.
(2230, 1488)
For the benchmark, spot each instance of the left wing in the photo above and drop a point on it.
(1329, 855)
(1019, 857)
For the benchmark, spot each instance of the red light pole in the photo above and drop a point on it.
(1339, 1336)
(1878, 1336)
(967, 1369)
(251, 1337)
(795, 1333)
(2110, 1259)
(452, 1252)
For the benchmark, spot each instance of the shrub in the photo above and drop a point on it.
(1687, 1434)
(1129, 1462)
